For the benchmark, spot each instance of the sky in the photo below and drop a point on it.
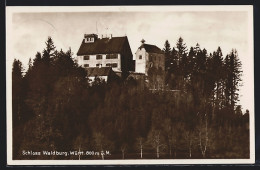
(227, 29)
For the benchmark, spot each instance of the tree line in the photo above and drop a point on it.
(195, 116)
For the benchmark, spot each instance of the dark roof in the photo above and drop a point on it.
(103, 46)
(151, 48)
(90, 35)
(96, 71)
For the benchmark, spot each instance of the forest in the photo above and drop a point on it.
(196, 115)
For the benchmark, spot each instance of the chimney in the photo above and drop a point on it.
(100, 65)
(85, 38)
(101, 36)
(110, 36)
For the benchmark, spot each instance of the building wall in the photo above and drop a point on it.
(155, 68)
(140, 64)
(156, 60)
(148, 60)
(92, 62)
(124, 61)
(151, 65)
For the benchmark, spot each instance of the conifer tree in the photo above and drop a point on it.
(181, 62)
(167, 53)
(17, 91)
(233, 77)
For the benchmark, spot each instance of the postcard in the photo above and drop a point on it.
(124, 85)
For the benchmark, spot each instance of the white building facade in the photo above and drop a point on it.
(101, 60)
(114, 52)
(149, 56)
(150, 61)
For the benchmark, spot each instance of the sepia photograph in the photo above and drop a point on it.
(120, 85)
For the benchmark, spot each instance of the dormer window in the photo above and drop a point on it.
(140, 57)
(89, 38)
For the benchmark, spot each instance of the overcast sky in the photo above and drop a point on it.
(210, 29)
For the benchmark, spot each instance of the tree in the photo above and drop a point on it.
(17, 91)
(190, 121)
(218, 77)
(50, 48)
(203, 133)
(169, 131)
(123, 150)
(18, 113)
(80, 144)
(156, 140)
(167, 53)
(101, 143)
(29, 64)
(181, 53)
(181, 62)
(37, 59)
(191, 62)
(189, 136)
(181, 48)
(214, 80)
(140, 145)
(233, 77)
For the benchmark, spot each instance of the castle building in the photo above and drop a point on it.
(150, 61)
(103, 73)
(97, 55)
(109, 51)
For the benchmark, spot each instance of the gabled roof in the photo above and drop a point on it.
(151, 48)
(96, 71)
(103, 46)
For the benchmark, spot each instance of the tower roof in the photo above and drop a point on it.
(151, 48)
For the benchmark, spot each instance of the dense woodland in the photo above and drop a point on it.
(195, 116)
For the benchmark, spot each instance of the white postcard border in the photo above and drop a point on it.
(9, 59)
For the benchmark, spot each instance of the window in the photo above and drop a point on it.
(114, 56)
(114, 64)
(86, 65)
(86, 57)
(140, 57)
(151, 58)
(97, 65)
(111, 56)
(99, 57)
(111, 65)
